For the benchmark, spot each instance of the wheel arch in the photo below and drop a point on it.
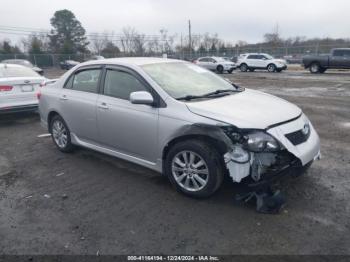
(218, 145)
(49, 118)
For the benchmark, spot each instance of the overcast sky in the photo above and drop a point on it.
(232, 19)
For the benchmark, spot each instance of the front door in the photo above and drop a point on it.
(125, 127)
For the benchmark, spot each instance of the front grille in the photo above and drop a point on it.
(298, 137)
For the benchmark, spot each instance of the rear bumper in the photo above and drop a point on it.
(18, 109)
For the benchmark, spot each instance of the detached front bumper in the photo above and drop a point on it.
(297, 155)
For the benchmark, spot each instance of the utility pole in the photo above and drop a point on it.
(189, 38)
(182, 50)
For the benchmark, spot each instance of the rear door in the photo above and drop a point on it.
(262, 61)
(78, 102)
(204, 62)
(252, 61)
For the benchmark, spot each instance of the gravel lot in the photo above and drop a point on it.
(88, 203)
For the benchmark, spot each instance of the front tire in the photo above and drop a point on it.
(220, 69)
(243, 68)
(194, 168)
(60, 134)
(271, 68)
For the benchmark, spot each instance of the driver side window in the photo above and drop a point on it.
(121, 84)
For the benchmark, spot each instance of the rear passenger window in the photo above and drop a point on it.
(86, 81)
(252, 57)
(121, 84)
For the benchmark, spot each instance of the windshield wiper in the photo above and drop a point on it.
(219, 92)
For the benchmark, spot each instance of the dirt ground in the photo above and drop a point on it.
(89, 203)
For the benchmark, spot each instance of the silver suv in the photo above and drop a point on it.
(178, 119)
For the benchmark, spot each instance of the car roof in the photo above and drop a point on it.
(136, 61)
(5, 65)
(14, 60)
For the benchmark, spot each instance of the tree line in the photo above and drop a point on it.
(68, 36)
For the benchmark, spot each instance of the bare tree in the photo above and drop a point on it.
(127, 40)
(139, 43)
(98, 42)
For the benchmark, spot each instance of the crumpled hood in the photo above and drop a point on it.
(247, 109)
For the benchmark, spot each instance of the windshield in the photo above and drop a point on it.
(184, 79)
(17, 71)
(268, 56)
(221, 59)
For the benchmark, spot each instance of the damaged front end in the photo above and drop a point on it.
(258, 155)
(258, 158)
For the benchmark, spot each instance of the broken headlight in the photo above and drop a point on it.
(259, 141)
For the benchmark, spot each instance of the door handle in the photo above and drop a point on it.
(63, 97)
(103, 106)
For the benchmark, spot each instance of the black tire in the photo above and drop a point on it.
(220, 69)
(271, 68)
(278, 70)
(211, 159)
(230, 71)
(243, 67)
(315, 68)
(251, 69)
(322, 70)
(66, 147)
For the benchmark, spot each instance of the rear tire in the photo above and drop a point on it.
(315, 68)
(194, 168)
(60, 134)
(220, 69)
(243, 67)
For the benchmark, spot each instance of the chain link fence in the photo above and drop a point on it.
(292, 54)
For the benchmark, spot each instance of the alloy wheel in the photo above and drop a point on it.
(190, 171)
(59, 133)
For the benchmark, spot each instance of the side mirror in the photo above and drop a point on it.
(141, 98)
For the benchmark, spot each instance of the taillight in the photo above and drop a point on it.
(38, 95)
(5, 88)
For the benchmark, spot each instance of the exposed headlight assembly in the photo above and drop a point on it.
(259, 141)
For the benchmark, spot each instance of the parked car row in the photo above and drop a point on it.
(245, 62)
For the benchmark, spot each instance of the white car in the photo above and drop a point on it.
(216, 64)
(19, 86)
(252, 61)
